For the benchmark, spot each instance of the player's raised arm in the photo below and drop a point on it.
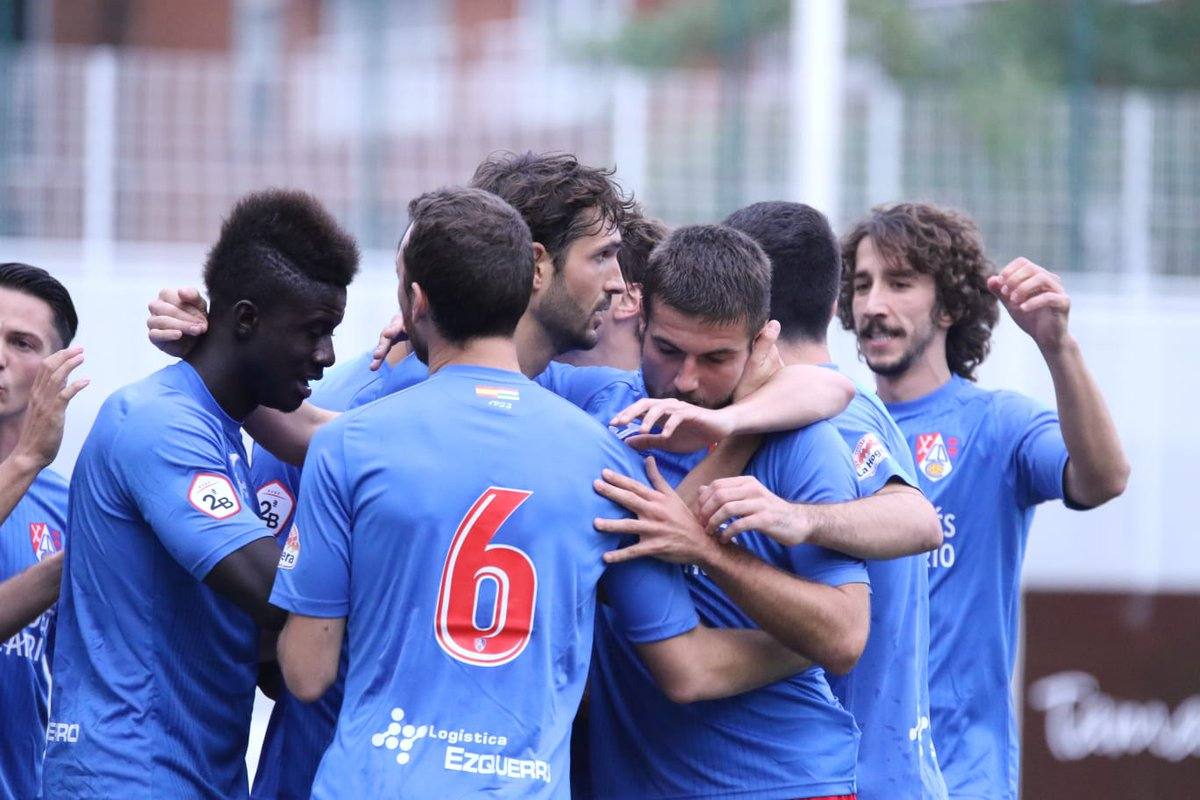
(287, 433)
(1097, 469)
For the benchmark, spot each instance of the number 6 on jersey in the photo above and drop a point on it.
(470, 563)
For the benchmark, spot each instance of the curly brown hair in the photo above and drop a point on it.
(560, 199)
(938, 242)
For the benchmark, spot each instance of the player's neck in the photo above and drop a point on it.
(924, 377)
(803, 351)
(219, 371)
(617, 348)
(493, 352)
(533, 345)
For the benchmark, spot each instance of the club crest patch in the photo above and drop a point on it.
(291, 549)
(46, 542)
(214, 495)
(933, 457)
(869, 453)
(275, 505)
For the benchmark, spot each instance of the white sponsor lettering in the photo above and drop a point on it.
(62, 732)
(291, 549)
(869, 453)
(1082, 721)
(402, 737)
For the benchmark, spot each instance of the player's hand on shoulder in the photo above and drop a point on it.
(743, 504)
(673, 425)
(763, 363)
(1035, 299)
(42, 428)
(178, 317)
(666, 528)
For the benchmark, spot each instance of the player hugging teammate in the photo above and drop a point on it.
(610, 457)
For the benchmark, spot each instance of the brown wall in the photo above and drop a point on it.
(174, 24)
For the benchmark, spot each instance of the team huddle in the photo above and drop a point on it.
(598, 518)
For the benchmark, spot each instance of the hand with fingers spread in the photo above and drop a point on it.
(42, 428)
(392, 334)
(1035, 299)
(666, 528)
(178, 317)
(684, 428)
(747, 505)
(763, 363)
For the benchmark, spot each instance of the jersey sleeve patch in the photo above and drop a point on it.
(291, 549)
(869, 453)
(214, 495)
(275, 505)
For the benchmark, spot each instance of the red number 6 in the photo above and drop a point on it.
(470, 562)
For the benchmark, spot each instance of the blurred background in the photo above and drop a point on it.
(1069, 129)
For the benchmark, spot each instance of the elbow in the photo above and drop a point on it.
(1105, 487)
(307, 685)
(929, 534)
(844, 652)
(690, 686)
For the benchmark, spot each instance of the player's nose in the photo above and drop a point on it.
(687, 380)
(614, 281)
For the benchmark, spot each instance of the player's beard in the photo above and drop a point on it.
(568, 325)
(920, 341)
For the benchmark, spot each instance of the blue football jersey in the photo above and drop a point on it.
(467, 569)
(985, 459)
(888, 690)
(154, 672)
(33, 531)
(789, 739)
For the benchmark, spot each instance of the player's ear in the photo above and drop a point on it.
(418, 302)
(628, 304)
(245, 319)
(543, 266)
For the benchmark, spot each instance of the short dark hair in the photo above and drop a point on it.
(472, 254)
(806, 264)
(712, 272)
(273, 239)
(554, 193)
(36, 282)
(942, 243)
(639, 236)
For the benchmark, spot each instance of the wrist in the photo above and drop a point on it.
(27, 462)
(1063, 348)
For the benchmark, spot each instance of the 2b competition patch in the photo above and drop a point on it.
(214, 495)
(291, 549)
(46, 542)
(869, 453)
(933, 456)
(275, 505)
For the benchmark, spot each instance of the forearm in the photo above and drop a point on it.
(821, 623)
(710, 663)
(27, 594)
(727, 459)
(287, 434)
(17, 473)
(889, 524)
(1098, 469)
(795, 396)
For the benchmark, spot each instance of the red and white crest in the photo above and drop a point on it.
(291, 549)
(933, 457)
(46, 542)
(869, 453)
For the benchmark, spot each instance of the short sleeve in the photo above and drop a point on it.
(578, 385)
(814, 465)
(275, 485)
(314, 568)
(873, 460)
(183, 480)
(1038, 454)
(649, 598)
